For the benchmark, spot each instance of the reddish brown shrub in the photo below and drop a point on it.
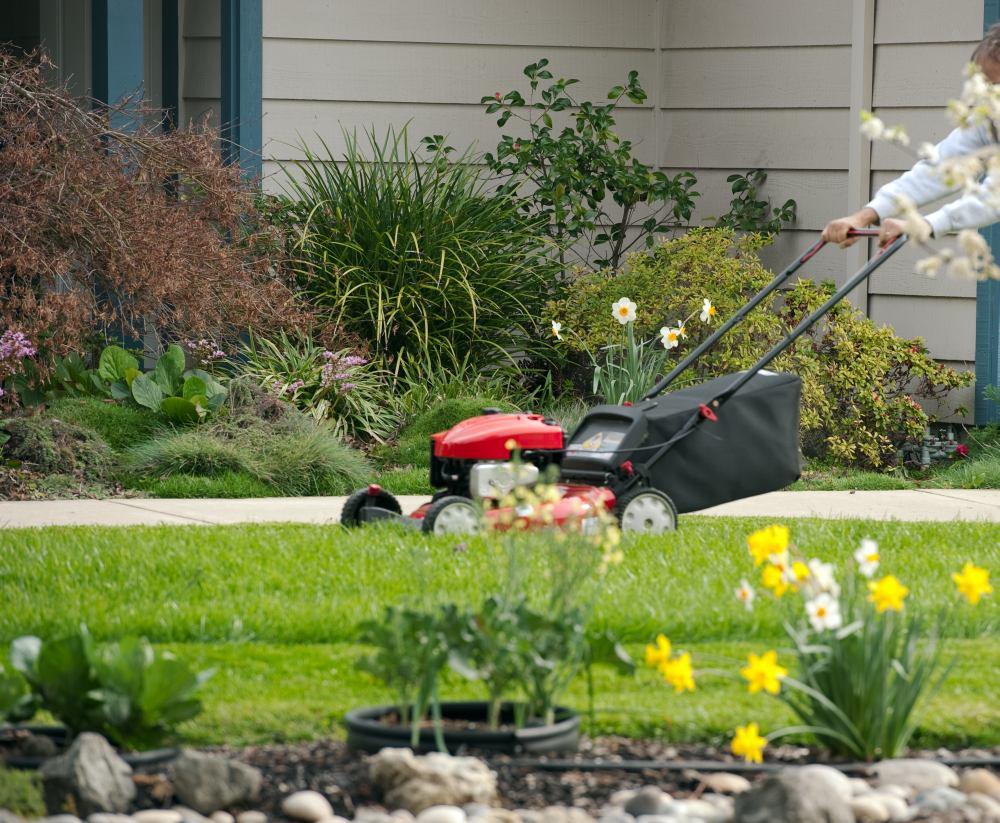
(113, 229)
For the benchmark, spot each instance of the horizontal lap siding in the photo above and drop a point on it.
(921, 50)
(331, 65)
(201, 62)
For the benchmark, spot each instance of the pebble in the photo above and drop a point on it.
(986, 804)
(919, 775)
(190, 815)
(493, 815)
(402, 815)
(725, 782)
(336, 818)
(370, 814)
(107, 817)
(649, 800)
(839, 783)
(904, 793)
(869, 809)
(615, 815)
(981, 781)
(941, 799)
(859, 786)
(222, 817)
(441, 814)
(895, 805)
(622, 796)
(157, 816)
(61, 818)
(698, 810)
(309, 806)
(251, 817)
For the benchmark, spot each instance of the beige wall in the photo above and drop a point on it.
(734, 85)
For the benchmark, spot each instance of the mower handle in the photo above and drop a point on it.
(779, 278)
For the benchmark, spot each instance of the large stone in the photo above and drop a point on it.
(982, 781)
(252, 816)
(89, 777)
(105, 817)
(839, 783)
(725, 782)
(802, 795)
(207, 782)
(436, 779)
(649, 800)
(60, 818)
(158, 816)
(190, 815)
(869, 809)
(222, 817)
(918, 775)
(941, 799)
(441, 814)
(306, 805)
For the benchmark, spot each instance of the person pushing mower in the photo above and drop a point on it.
(922, 184)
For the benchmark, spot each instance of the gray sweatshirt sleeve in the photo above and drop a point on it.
(922, 184)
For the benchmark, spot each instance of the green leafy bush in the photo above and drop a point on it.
(184, 396)
(126, 690)
(50, 445)
(339, 386)
(748, 213)
(861, 382)
(414, 254)
(21, 793)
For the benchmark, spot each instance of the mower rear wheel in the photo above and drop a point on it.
(351, 514)
(452, 515)
(646, 511)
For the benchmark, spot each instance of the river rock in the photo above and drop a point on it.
(725, 782)
(493, 815)
(615, 814)
(918, 775)
(190, 815)
(60, 818)
(107, 817)
(221, 817)
(797, 795)
(253, 816)
(941, 799)
(700, 810)
(982, 781)
(207, 782)
(649, 800)
(869, 809)
(839, 783)
(436, 779)
(158, 816)
(89, 777)
(371, 814)
(442, 814)
(309, 806)
(986, 804)
(621, 797)
(897, 807)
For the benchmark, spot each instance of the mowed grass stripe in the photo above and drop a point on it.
(282, 583)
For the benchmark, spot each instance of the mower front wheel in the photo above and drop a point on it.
(646, 511)
(351, 515)
(452, 514)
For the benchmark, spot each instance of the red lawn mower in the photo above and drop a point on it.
(732, 437)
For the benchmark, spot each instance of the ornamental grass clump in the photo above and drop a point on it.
(859, 666)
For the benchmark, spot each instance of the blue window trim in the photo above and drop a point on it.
(242, 84)
(117, 50)
(988, 302)
(170, 33)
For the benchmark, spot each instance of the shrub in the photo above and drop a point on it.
(860, 382)
(49, 445)
(21, 793)
(119, 425)
(91, 237)
(202, 453)
(416, 255)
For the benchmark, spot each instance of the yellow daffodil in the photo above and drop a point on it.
(764, 543)
(658, 654)
(763, 673)
(707, 311)
(800, 571)
(887, 594)
(972, 582)
(773, 578)
(748, 743)
(623, 311)
(678, 673)
(556, 329)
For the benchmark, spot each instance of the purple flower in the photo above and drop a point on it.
(344, 388)
(294, 386)
(352, 360)
(15, 345)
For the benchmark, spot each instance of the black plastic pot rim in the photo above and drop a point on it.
(150, 757)
(368, 718)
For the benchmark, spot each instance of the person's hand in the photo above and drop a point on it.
(892, 228)
(837, 231)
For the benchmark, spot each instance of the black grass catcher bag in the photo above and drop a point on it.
(752, 447)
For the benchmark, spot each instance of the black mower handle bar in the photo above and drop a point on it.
(863, 274)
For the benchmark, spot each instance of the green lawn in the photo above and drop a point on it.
(275, 609)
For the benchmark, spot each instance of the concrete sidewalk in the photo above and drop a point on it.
(930, 504)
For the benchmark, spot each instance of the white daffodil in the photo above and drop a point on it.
(669, 337)
(707, 311)
(623, 311)
(556, 329)
(821, 579)
(867, 557)
(824, 612)
(745, 594)
(682, 329)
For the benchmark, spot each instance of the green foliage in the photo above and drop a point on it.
(125, 690)
(339, 386)
(121, 426)
(21, 793)
(415, 255)
(229, 484)
(626, 369)
(860, 381)
(747, 213)
(183, 397)
(412, 448)
(405, 480)
(15, 702)
(50, 445)
(572, 175)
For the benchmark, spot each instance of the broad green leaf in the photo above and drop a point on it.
(214, 392)
(147, 393)
(194, 386)
(114, 362)
(169, 370)
(179, 410)
(120, 390)
(130, 375)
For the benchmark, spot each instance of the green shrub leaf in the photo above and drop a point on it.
(146, 392)
(179, 410)
(114, 363)
(194, 386)
(169, 370)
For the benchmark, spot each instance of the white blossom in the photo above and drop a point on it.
(872, 127)
(824, 612)
(745, 594)
(867, 557)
